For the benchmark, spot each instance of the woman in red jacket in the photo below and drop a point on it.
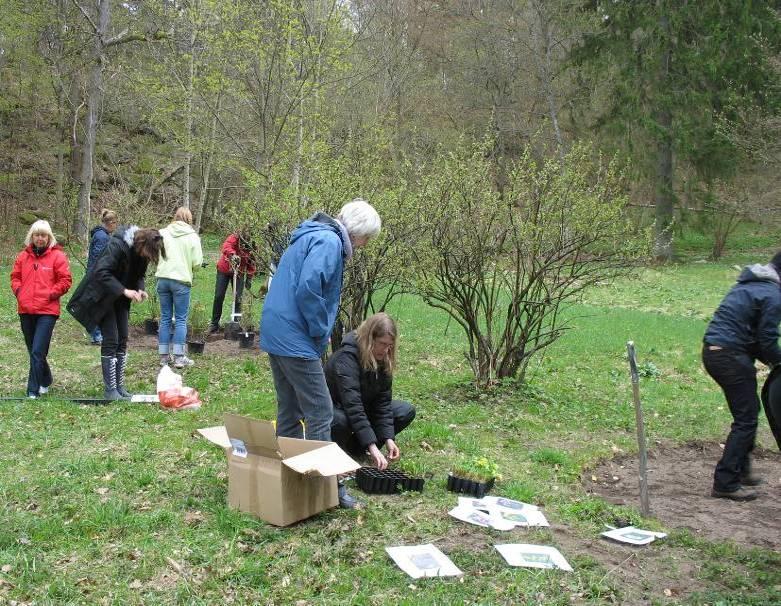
(40, 276)
(237, 253)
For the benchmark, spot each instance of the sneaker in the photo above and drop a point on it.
(741, 494)
(165, 360)
(345, 500)
(32, 396)
(43, 390)
(182, 362)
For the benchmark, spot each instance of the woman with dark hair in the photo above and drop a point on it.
(98, 240)
(39, 278)
(104, 295)
(360, 379)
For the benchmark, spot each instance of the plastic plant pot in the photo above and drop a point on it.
(376, 481)
(246, 340)
(151, 326)
(470, 487)
(195, 347)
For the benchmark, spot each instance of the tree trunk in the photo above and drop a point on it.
(207, 169)
(663, 242)
(188, 135)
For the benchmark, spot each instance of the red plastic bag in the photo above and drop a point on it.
(173, 394)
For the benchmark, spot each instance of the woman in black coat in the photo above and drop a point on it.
(360, 378)
(104, 295)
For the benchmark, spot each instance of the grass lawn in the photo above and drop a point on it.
(123, 504)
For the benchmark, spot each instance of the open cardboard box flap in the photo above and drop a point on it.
(308, 457)
(325, 460)
(259, 437)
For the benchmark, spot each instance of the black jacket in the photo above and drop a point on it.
(747, 318)
(365, 396)
(118, 268)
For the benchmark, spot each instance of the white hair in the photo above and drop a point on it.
(41, 226)
(360, 219)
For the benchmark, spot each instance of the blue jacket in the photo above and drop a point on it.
(301, 305)
(98, 240)
(747, 318)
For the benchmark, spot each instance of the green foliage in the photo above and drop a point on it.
(479, 468)
(502, 262)
(199, 319)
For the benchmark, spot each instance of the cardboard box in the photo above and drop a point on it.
(281, 480)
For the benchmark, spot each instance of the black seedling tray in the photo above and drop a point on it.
(476, 489)
(376, 481)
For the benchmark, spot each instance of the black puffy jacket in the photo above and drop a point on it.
(364, 395)
(118, 268)
(748, 316)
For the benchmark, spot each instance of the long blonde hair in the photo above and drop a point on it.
(41, 226)
(372, 328)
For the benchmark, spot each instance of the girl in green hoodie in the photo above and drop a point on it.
(174, 280)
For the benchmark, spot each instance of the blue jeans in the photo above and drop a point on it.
(37, 330)
(174, 302)
(302, 395)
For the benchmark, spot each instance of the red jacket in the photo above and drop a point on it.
(231, 247)
(39, 282)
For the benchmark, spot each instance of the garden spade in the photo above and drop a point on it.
(645, 506)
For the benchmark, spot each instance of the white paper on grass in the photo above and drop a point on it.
(533, 556)
(506, 510)
(481, 518)
(633, 536)
(423, 561)
(144, 397)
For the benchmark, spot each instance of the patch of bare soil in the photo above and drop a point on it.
(216, 345)
(680, 480)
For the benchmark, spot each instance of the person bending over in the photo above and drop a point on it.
(743, 329)
(299, 314)
(103, 298)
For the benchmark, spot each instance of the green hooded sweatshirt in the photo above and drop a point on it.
(183, 253)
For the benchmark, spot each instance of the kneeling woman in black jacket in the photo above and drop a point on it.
(359, 377)
(104, 295)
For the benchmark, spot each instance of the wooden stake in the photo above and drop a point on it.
(645, 506)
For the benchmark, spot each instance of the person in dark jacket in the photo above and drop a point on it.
(236, 255)
(98, 240)
(103, 298)
(39, 278)
(743, 329)
(299, 314)
(360, 379)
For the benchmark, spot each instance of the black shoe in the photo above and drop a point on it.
(751, 480)
(213, 328)
(345, 500)
(741, 494)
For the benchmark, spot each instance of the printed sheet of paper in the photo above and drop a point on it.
(504, 511)
(533, 556)
(423, 561)
(633, 536)
(481, 518)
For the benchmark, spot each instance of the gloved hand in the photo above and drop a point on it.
(235, 259)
